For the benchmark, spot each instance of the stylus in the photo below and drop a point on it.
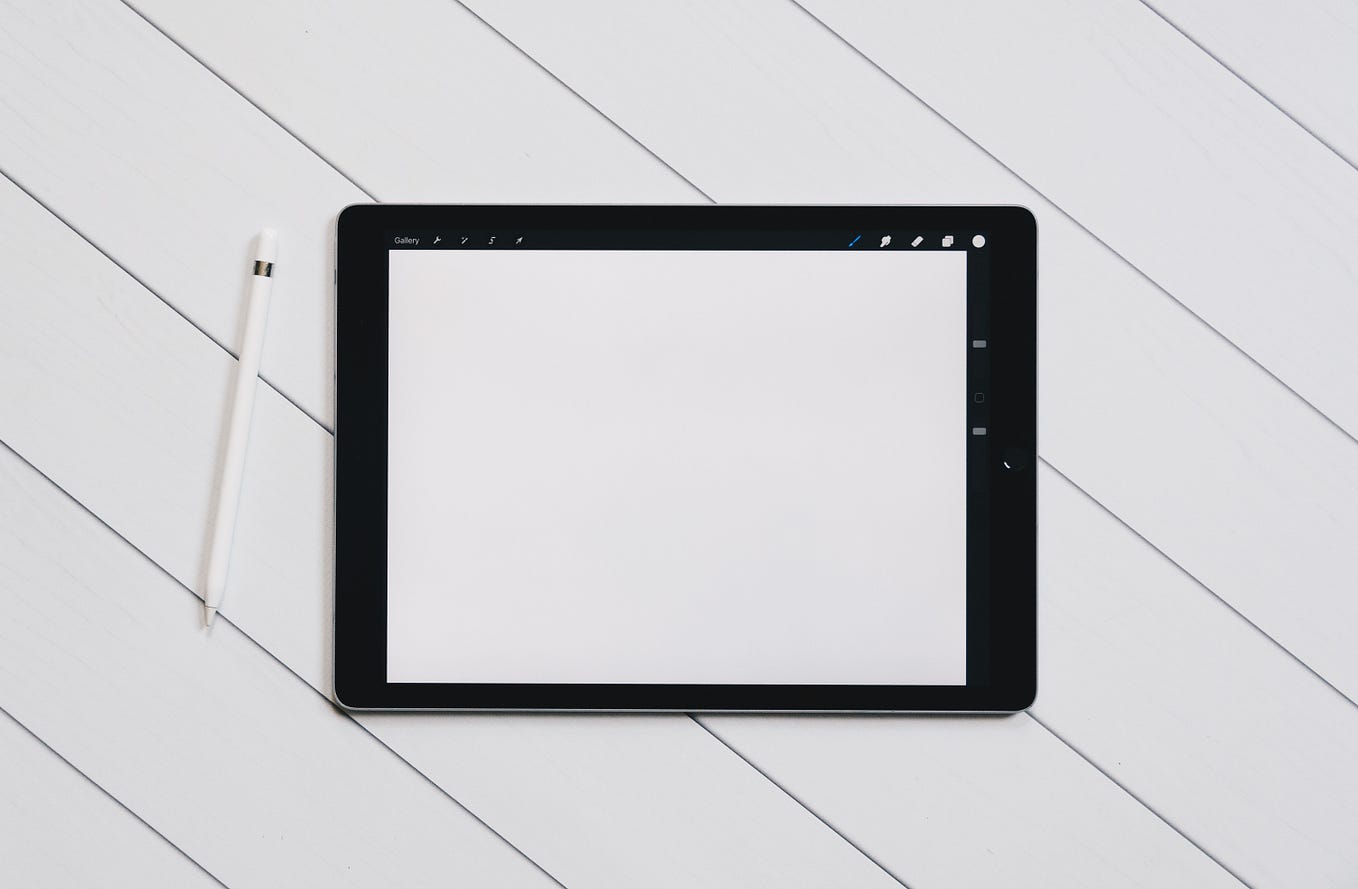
(238, 431)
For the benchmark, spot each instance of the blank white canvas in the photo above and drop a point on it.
(677, 467)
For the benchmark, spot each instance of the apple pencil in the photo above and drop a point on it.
(238, 432)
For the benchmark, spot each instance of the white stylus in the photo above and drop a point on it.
(238, 432)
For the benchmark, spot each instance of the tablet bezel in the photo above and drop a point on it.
(1002, 523)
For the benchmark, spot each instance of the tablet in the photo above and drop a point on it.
(694, 458)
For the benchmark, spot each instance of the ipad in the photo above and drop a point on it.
(693, 458)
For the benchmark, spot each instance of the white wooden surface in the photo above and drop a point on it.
(1199, 494)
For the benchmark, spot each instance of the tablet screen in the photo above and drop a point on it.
(735, 466)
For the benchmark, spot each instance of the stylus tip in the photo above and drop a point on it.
(209, 615)
(266, 247)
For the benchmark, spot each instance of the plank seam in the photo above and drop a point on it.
(34, 735)
(172, 307)
(1204, 587)
(351, 179)
(588, 104)
(1059, 209)
(1149, 808)
(222, 616)
(231, 86)
(1240, 77)
(799, 801)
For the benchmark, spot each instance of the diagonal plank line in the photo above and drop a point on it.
(328, 162)
(222, 616)
(1058, 208)
(231, 86)
(332, 165)
(1202, 586)
(1209, 591)
(34, 735)
(595, 108)
(149, 289)
(1028, 713)
(1240, 77)
(1145, 805)
(799, 801)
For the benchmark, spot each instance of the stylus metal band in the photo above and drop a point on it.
(263, 269)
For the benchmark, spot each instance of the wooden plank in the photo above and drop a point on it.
(57, 829)
(607, 801)
(1226, 735)
(191, 185)
(920, 796)
(235, 761)
(491, 127)
(1298, 54)
(200, 177)
(120, 401)
(1160, 151)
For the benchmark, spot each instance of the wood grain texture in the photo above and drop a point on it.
(109, 393)
(203, 736)
(604, 800)
(1298, 54)
(59, 830)
(1160, 151)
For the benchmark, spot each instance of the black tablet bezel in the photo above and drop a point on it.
(1001, 512)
